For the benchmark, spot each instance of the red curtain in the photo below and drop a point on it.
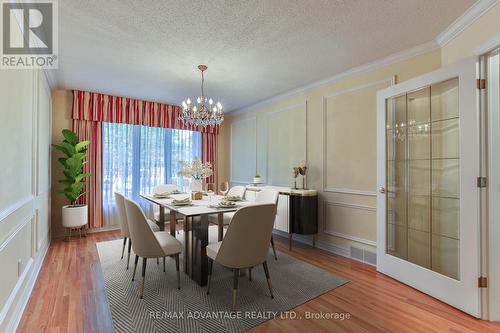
(91, 109)
(92, 131)
(209, 154)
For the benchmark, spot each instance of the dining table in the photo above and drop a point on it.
(195, 227)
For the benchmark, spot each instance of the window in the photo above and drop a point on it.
(137, 158)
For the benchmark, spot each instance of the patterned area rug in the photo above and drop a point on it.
(167, 309)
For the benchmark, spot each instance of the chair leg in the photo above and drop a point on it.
(249, 273)
(129, 247)
(274, 250)
(157, 261)
(163, 264)
(135, 266)
(144, 262)
(177, 268)
(210, 265)
(235, 286)
(266, 271)
(123, 248)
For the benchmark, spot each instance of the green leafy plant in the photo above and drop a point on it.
(257, 175)
(74, 152)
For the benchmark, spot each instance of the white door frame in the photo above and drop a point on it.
(464, 293)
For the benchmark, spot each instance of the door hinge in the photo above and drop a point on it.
(481, 83)
(482, 182)
(482, 282)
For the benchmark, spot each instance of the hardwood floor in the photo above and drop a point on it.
(69, 296)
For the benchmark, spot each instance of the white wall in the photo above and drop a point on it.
(25, 126)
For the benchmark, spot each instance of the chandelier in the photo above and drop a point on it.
(205, 112)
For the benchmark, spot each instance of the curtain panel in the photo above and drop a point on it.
(209, 154)
(91, 109)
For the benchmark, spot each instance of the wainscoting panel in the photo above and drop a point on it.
(25, 188)
(349, 221)
(243, 150)
(286, 143)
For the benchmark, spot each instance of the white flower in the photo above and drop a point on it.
(195, 169)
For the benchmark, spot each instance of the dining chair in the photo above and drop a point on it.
(148, 244)
(156, 210)
(234, 191)
(122, 216)
(267, 196)
(246, 244)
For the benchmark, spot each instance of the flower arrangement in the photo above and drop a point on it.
(195, 169)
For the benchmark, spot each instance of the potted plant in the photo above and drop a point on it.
(74, 215)
(257, 179)
(197, 171)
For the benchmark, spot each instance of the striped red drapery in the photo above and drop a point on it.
(92, 131)
(209, 154)
(91, 109)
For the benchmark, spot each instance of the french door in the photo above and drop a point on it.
(428, 201)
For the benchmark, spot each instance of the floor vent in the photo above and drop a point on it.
(363, 255)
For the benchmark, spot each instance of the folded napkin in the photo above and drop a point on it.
(233, 197)
(162, 194)
(181, 201)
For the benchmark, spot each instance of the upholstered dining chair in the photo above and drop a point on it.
(267, 196)
(156, 210)
(122, 216)
(234, 191)
(246, 244)
(148, 244)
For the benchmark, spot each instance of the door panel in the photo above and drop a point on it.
(427, 163)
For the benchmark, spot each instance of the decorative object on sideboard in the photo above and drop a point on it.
(74, 215)
(196, 171)
(257, 179)
(302, 171)
(205, 112)
(295, 174)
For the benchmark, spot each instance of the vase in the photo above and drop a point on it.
(196, 185)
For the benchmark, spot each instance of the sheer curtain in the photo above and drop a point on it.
(137, 158)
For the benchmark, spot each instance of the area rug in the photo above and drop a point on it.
(164, 308)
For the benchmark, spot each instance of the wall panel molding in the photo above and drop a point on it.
(302, 106)
(370, 192)
(231, 147)
(343, 235)
(4, 214)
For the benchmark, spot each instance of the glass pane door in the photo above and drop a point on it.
(422, 174)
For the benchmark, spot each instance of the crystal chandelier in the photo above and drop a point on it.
(204, 112)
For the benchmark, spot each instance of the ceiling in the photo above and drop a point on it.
(254, 49)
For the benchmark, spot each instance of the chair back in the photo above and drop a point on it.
(237, 190)
(122, 215)
(246, 243)
(267, 196)
(165, 188)
(144, 242)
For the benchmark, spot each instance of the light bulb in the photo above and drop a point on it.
(215, 109)
(188, 101)
(195, 109)
(210, 101)
(198, 100)
(184, 105)
(219, 105)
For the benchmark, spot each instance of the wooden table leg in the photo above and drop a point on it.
(187, 246)
(173, 220)
(161, 222)
(221, 226)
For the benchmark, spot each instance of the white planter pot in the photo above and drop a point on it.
(196, 185)
(74, 216)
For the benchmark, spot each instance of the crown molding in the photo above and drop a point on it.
(51, 78)
(391, 59)
(465, 20)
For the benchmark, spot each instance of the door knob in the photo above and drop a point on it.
(381, 189)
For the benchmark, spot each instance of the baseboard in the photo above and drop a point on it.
(61, 231)
(329, 247)
(26, 292)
